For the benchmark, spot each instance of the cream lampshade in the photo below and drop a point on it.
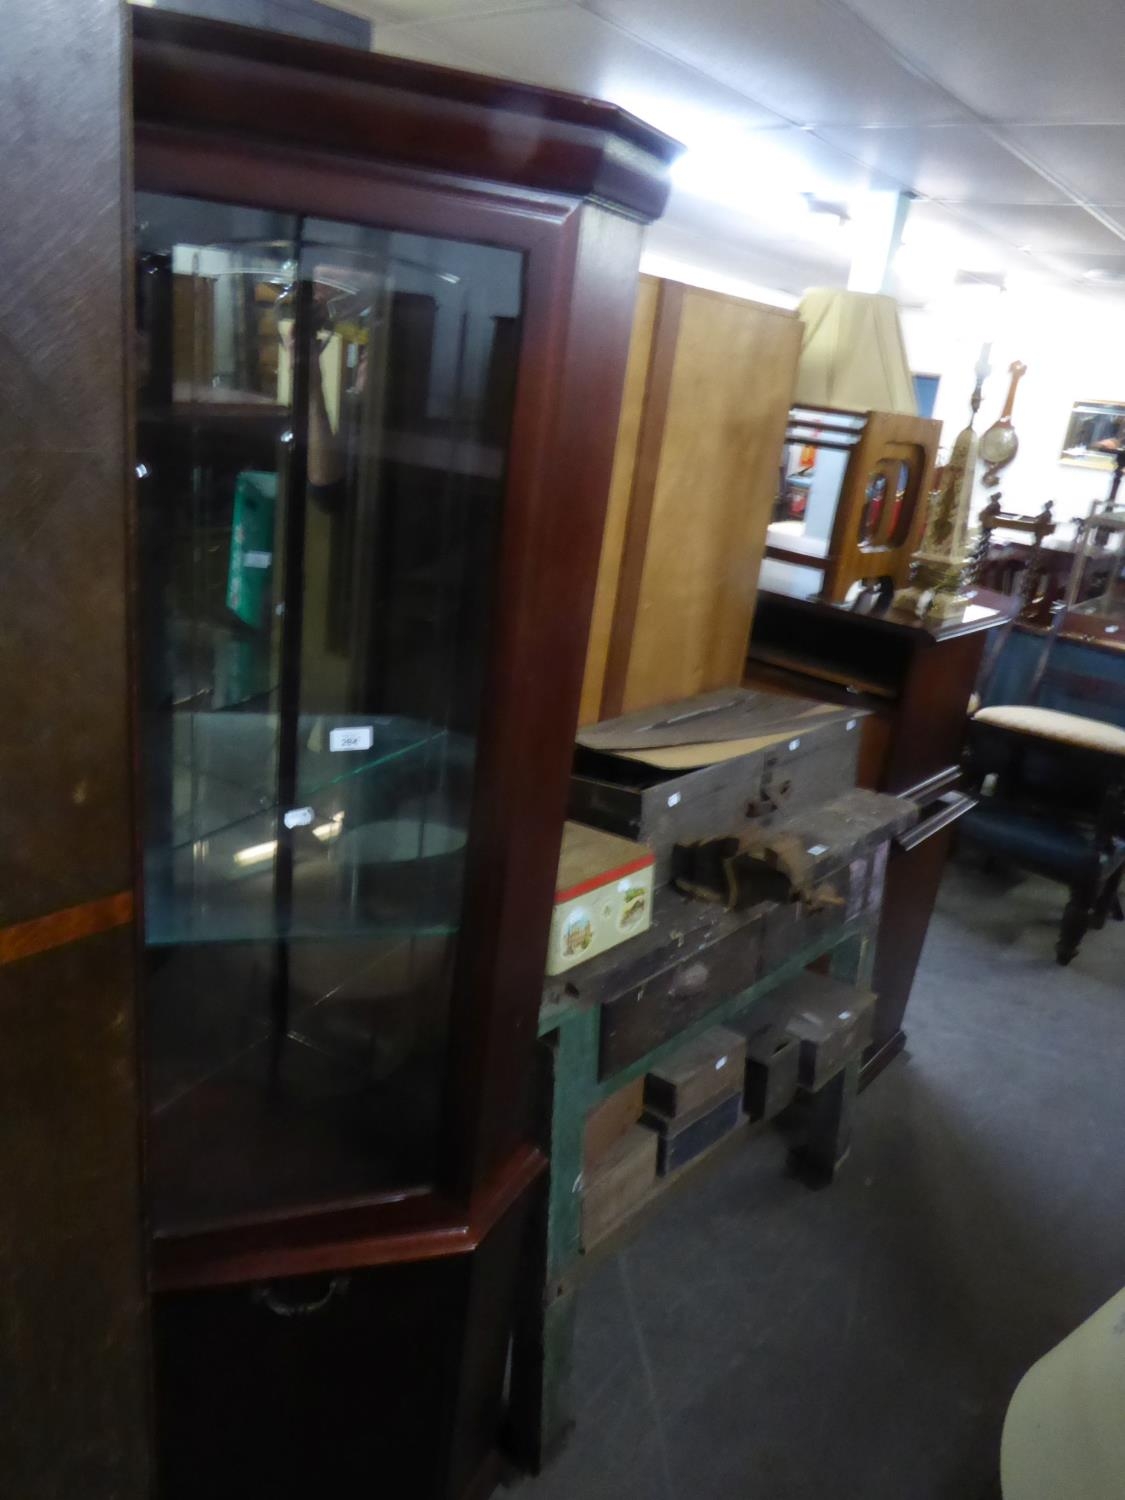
(853, 357)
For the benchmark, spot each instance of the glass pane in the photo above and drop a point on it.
(323, 417)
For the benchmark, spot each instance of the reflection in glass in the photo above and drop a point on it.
(323, 414)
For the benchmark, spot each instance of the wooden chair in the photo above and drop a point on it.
(1023, 569)
(881, 512)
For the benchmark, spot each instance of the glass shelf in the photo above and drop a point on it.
(374, 847)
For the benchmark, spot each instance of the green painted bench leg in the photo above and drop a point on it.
(541, 1404)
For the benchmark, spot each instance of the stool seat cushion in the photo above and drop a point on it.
(1063, 1435)
(1050, 724)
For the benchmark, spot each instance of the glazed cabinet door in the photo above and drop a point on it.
(323, 414)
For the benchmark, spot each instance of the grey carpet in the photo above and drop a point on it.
(759, 1341)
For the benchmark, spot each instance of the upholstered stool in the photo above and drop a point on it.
(1057, 807)
(1049, 724)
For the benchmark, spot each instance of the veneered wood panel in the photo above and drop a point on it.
(620, 495)
(576, 334)
(731, 389)
(646, 467)
(73, 1415)
(73, 1358)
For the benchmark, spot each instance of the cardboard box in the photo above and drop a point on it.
(603, 895)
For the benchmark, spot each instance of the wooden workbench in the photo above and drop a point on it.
(613, 1020)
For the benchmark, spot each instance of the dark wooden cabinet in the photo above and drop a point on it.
(915, 679)
(383, 316)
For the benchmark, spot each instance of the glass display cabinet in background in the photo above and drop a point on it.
(382, 317)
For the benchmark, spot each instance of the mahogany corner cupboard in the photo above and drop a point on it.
(382, 318)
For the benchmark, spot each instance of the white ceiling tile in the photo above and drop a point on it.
(959, 242)
(1067, 230)
(806, 236)
(1098, 270)
(1041, 60)
(733, 249)
(788, 160)
(810, 60)
(957, 163)
(1089, 159)
(566, 47)
(730, 75)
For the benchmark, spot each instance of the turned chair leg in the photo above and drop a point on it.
(1108, 903)
(1075, 923)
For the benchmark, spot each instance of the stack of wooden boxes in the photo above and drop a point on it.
(662, 1122)
(658, 1124)
(695, 1098)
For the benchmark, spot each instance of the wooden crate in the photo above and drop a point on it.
(608, 1121)
(620, 1183)
(772, 1061)
(684, 1138)
(699, 1072)
(721, 956)
(831, 1023)
(803, 755)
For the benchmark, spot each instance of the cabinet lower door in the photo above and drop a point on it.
(382, 1382)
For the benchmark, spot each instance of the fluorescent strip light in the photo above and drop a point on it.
(256, 854)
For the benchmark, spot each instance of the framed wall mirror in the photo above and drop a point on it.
(1092, 434)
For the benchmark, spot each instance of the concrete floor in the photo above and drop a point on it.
(759, 1341)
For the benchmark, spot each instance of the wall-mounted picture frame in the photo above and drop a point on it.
(1093, 433)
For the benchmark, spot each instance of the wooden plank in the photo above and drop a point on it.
(620, 492)
(731, 384)
(646, 469)
(620, 1182)
(608, 1121)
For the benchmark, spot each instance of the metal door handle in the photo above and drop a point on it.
(273, 1301)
